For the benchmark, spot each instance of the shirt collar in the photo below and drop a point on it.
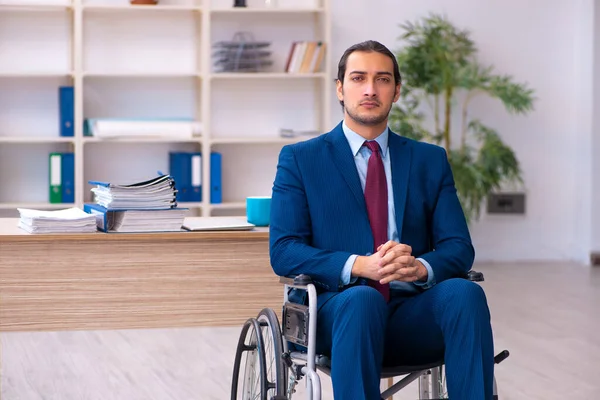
(356, 141)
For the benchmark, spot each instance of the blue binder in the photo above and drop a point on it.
(196, 176)
(68, 177)
(186, 169)
(179, 169)
(66, 108)
(216, 195)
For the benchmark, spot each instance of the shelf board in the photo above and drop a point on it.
(34, 7)
(8, 206)
(258, 140)
(141, 140)
(190, 205)
(142, 8)
(36, 139)
(265, 75)
(34, 74)
(141, 74)
(274, 10)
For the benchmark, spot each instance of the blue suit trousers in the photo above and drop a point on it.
(450, 321)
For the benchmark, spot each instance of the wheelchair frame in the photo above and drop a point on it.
(299, 326)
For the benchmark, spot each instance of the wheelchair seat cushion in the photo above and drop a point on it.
(390, 372)
(324, 364)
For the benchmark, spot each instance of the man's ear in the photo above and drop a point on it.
(339, 90)
(397, 94)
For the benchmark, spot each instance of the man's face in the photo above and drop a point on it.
(369, 89)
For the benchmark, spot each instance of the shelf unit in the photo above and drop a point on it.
(154, 61)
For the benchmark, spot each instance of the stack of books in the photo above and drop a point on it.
(148, 206)
(70, 220)
(305, 57)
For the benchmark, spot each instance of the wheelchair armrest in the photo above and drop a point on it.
(303, 280)
(300, 281)
(474, 276)
(300, 312)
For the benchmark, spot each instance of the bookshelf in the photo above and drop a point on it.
(129, 61)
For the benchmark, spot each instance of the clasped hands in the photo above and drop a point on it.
(391, 262)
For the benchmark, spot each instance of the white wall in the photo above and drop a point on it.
(548, 45)
(595, 147)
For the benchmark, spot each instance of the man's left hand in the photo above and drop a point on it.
(398, 264)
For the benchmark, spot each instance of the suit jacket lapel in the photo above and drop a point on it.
(400, 157)
(344, 161)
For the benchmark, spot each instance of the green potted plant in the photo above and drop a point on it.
(441, 77)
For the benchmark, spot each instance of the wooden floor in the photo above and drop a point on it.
(547, 315)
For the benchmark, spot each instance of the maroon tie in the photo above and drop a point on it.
(376, 197)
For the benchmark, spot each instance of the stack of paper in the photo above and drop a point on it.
(146, 221)
(154, 194)
(129, 221)
(70, 220)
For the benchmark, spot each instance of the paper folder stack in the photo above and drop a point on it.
(147, 206)
(70, 220)
(156, 193)
(114, 128)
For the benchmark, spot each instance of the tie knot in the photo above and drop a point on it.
(372, 145)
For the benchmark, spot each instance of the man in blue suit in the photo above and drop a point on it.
(374, 219)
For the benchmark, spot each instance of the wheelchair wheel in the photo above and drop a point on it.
(249, 379)
(277, 370)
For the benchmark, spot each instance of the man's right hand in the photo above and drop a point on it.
(367, 267)
(391, 255)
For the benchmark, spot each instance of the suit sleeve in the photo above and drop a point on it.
(290, 230)
(453, 253)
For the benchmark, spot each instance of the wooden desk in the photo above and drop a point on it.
(142, 280)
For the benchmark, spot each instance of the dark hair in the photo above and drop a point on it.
(368, 46)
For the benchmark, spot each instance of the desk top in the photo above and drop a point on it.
(10, 232)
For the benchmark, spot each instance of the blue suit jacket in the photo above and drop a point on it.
(319, 216)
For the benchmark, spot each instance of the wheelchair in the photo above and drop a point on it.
(267, 365)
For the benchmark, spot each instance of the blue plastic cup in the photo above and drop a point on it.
(258, 210)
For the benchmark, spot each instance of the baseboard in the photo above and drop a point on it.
(595, 259)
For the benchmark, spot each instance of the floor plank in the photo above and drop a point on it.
(546, 314)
